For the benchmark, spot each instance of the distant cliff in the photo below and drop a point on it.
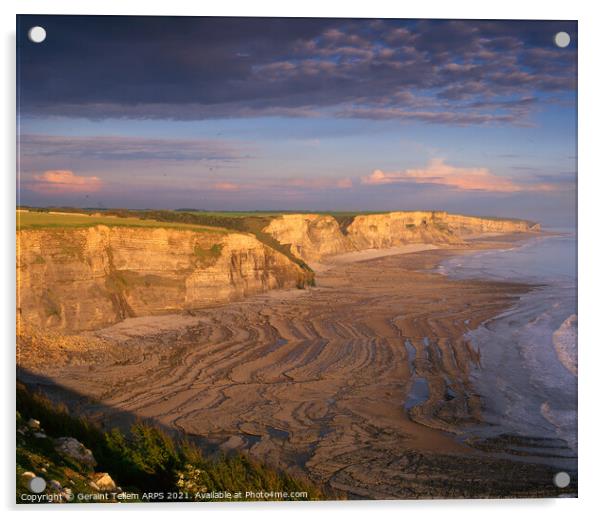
(313, 236)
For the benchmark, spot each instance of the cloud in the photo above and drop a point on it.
(129, 148)
(64, 181)
(345, 183)
(226, 186)
(436, 117)
(206, 68)
(274, 185)
(463, 179)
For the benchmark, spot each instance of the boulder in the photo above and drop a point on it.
(233, 443)
(104, 481)
(33, 423)
(72, 448)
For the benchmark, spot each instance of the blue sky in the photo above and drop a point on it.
(477, 117)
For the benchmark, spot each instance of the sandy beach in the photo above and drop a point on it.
(360, 384)
(368, 254)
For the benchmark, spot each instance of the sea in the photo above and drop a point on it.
(527, 377)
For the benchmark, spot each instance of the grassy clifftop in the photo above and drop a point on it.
(199, 221)
(27, 220)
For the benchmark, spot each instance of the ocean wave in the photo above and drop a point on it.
(563, 421)
(565, 343)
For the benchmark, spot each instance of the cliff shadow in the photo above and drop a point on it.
(101, 415)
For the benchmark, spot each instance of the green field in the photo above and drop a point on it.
(44, 220)
(241, 214)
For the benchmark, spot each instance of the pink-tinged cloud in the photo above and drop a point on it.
(345, 183)
(464, 179)
(65, 181)
(226, 186)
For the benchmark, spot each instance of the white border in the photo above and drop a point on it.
(590, 225)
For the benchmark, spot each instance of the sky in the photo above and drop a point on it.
(468, 116)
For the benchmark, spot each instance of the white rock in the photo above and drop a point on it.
(29, 475)
(33, 423)
(104, 481)
(40, 435)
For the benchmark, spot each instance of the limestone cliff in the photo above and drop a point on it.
(83, 279)
(86, 278)
(471, 225)
(377, 231)
(314, 236)
(311, 236)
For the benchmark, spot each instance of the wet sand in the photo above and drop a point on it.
(361, 383)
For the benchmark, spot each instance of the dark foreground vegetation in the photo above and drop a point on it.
(146, 460)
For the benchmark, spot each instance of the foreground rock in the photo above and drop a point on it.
(103, 481)
(74, 449)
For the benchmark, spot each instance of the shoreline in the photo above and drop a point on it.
(520, 348)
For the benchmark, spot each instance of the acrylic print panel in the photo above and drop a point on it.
(291, 259)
